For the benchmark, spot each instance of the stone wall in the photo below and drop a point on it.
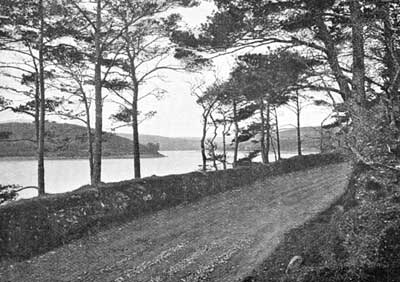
(33, 226)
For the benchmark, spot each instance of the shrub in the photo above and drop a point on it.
(8, 193)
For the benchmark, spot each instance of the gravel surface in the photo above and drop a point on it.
(220, 238)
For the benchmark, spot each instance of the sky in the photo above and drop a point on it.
(178, 115)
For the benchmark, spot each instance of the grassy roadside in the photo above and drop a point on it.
(356, 239)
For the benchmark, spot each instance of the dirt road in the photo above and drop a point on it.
(220, 238)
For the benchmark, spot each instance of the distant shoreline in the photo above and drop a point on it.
(31, 158)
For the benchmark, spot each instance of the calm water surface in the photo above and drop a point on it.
(68, 175)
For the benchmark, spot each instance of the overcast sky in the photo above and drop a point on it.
(178, 114)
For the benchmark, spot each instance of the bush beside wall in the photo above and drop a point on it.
(34, 226)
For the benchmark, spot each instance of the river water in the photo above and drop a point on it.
(67, 175)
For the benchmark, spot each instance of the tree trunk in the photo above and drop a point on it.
(42, 114)
(212, 142)
(333, 59)
(273, 148)
(136, 150)
(136, 146)
(298, 111)
(89, 135)
(391, 62)
(203, 145)
(358, 80)
(236, 123)
(278, 139)
(262, 137)
(215, 165)
(321, 141)
(37, 107)
(268, 133)
(224, 146)
(96, 178)
(90, 148)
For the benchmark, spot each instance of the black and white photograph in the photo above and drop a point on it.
(200, 140)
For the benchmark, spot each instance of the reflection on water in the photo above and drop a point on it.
(67, 175)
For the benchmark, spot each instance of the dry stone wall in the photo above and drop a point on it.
(34, 226)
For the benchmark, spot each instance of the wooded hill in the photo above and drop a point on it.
(168, 143)
(310, 141)
(63, 141)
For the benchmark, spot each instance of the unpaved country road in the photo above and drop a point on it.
(220, 238)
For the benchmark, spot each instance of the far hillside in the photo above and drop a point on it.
(168, 143)
(310, 141)
(63, 141)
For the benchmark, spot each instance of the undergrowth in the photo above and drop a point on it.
(357, 239)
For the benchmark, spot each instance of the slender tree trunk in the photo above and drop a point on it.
(136, 151)
(135, 130)
(89, 135)
(278, 139)
(96, 178)
(203, 145)
(215, 165)
(298, 111)
(37, 107)
(212, 142)
(321, 139)
(262, 138)
(36, 114)
(268, 133)
(236, 123)
(41, 181)
(224, 146)
(134, 109)
(273, 148)
(358, 80)
(90, 148)
(298, 136)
